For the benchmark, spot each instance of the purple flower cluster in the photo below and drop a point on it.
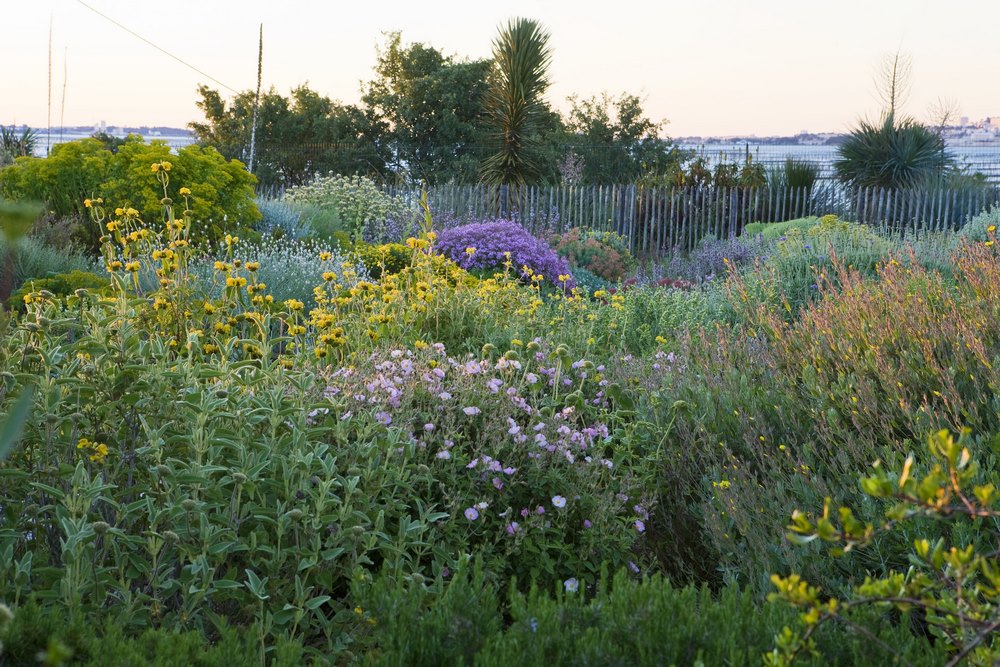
(492, 239)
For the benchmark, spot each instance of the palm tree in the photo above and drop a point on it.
(514, 105)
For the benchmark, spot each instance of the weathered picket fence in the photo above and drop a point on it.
(665, 220)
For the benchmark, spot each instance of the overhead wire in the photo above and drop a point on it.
(157, 47)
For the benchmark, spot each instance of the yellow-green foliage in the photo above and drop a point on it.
(77, 170)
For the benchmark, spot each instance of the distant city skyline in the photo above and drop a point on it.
(713, 68)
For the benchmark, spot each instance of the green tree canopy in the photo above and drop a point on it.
(427, 109)
(616, 140)
(298, 136)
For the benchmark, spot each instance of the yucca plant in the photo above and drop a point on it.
(514, 105)
(893, 154)
(15, 144)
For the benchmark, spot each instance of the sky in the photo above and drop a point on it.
(708, 67)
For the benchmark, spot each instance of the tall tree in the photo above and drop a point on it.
(297, 136)
(514, 103)
(428, 107)
(616, 140)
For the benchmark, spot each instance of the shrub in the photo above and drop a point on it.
(222, 192)
(773, 231)
(491, 242)
(782, 413)
(618, 621)
(33, 259)
(37, 635)
(957, 588)
(355, 200)
(290, 269)
(604, 254)
(978, 228)
(713, 258)
(588, 282)
(386, 259)
(280, 219)
(896, 153)
(61, 285)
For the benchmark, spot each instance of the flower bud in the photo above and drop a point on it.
(101, 527)
(188, 504)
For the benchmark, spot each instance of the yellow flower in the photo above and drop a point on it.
(253, 266)
(166, 165)
(325, 256)
(329, 276)
(991, 228)
(294, 304)
(470, 251)
(185, 192)
(132, 267)
(88, 203)
(156, 167)
(989, 243)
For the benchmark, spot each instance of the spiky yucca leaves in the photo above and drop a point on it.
(514, 101)
(893, 154)
(17, 144)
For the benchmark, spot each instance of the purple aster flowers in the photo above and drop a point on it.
(492, 239)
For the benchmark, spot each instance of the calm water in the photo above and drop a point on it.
(175, 141)
(982, 158)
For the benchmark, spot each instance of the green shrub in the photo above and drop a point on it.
(354, 200)
(222, 198)
(894, 153)
(38, 635)
(604, 254)
(977, 228)
(772, 231)
(588, 281)
(386, 259)
(783, 412)
(619, 622)
(33, 259)
(61, 285)
(648, 312)
(956, 589)
(442, 622)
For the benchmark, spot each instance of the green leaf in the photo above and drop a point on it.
(13, 424)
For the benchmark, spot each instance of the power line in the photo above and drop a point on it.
(158, 48)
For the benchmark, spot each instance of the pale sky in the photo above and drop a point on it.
(709, 67)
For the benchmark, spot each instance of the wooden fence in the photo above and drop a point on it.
(665, 220)
(660, 221)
